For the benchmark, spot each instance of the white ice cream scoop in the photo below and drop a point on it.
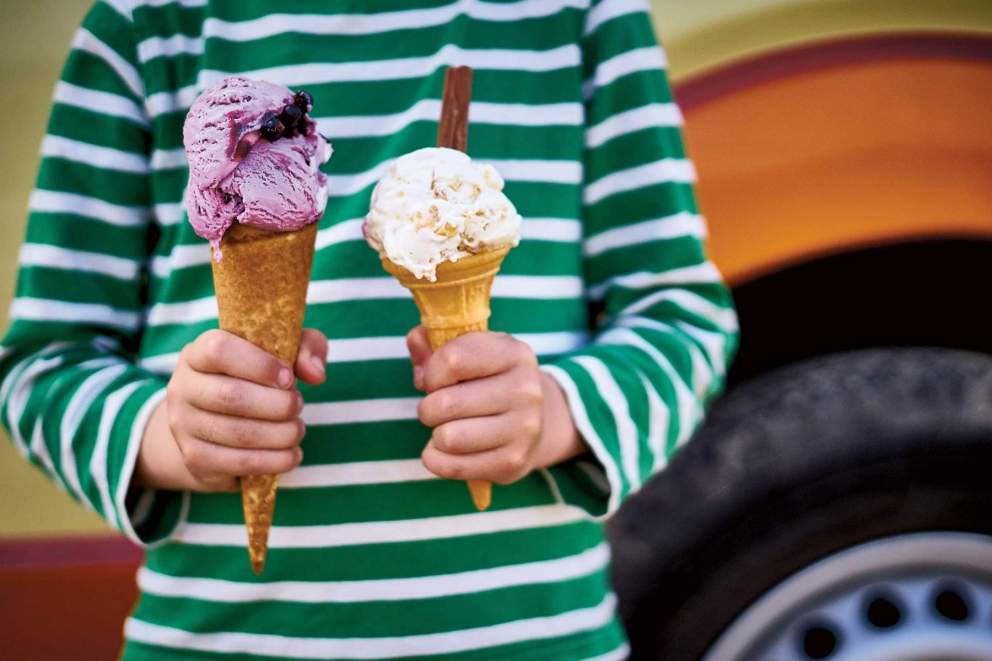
(436, 205)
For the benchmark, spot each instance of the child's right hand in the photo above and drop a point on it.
(231, 409)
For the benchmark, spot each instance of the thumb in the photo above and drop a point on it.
(311, 363)
(420, 350)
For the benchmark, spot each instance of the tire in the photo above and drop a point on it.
(792, 467)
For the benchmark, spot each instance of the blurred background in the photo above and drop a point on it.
(845, 159)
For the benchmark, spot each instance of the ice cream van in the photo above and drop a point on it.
(836, 503)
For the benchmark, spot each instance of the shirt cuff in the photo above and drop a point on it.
(147, 517)
(590, 481)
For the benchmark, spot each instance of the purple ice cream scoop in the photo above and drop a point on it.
(254, 157)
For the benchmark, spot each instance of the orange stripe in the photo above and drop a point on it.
(842, 144)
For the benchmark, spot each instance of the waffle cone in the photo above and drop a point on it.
(261, 284)
(455, 304)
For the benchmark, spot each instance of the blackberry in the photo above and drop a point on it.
(272, 127)
(303, 101)
(291, 116)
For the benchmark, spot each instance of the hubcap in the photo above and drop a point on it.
(915, 597)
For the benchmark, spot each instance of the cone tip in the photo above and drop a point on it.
(482, 494)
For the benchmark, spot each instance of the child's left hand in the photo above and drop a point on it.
(495, 415)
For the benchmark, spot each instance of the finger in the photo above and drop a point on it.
(473, 356)
(210, 461)
(311, 363)
(208, 481)
(243, 433)
(419, 347)
(503, 465)
(216, 393)
(489, 395)
(473, 435)
(220, 352)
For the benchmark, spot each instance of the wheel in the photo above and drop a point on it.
(839, 508)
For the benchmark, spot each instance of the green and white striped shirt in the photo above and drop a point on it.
(371, 555)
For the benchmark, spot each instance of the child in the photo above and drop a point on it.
(114, 382)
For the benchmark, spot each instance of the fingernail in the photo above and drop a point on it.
(285, 378)
(319, 364)
(299, 402)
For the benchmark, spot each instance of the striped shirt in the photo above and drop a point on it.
(371, 555)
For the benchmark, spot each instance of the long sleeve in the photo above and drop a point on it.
(71, 397)
(666, 327)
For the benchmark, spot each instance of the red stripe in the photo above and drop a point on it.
(699, 90)
(67, 551)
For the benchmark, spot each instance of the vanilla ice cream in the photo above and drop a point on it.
(434, 206)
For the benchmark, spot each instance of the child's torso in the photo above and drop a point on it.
(372, 546)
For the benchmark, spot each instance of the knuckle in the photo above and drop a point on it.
(193, 457)
(226, 431)
(175, 426)
(247, 463)
(453, 359)
(424, 410)
(530, 392)
(496, 340)
(511, 468)
(242, 432)
(230, 395)
(215, 342)
(427, 458)
(285, 461)
(453, 470)
(446, 438)
(524, 354)
(443, 405)
(515, 461)
(206, 426)
(530, 426)
(183, 358)
(288, 435)
(316, 340)
(172, 390)
(439, 439)
(440, 466)
(439, 405)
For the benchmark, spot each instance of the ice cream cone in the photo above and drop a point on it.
(261, 282)
(455, 304)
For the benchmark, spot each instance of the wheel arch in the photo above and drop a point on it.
(926, 292)
(847, 185)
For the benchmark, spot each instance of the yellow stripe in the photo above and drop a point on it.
(700, 36)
